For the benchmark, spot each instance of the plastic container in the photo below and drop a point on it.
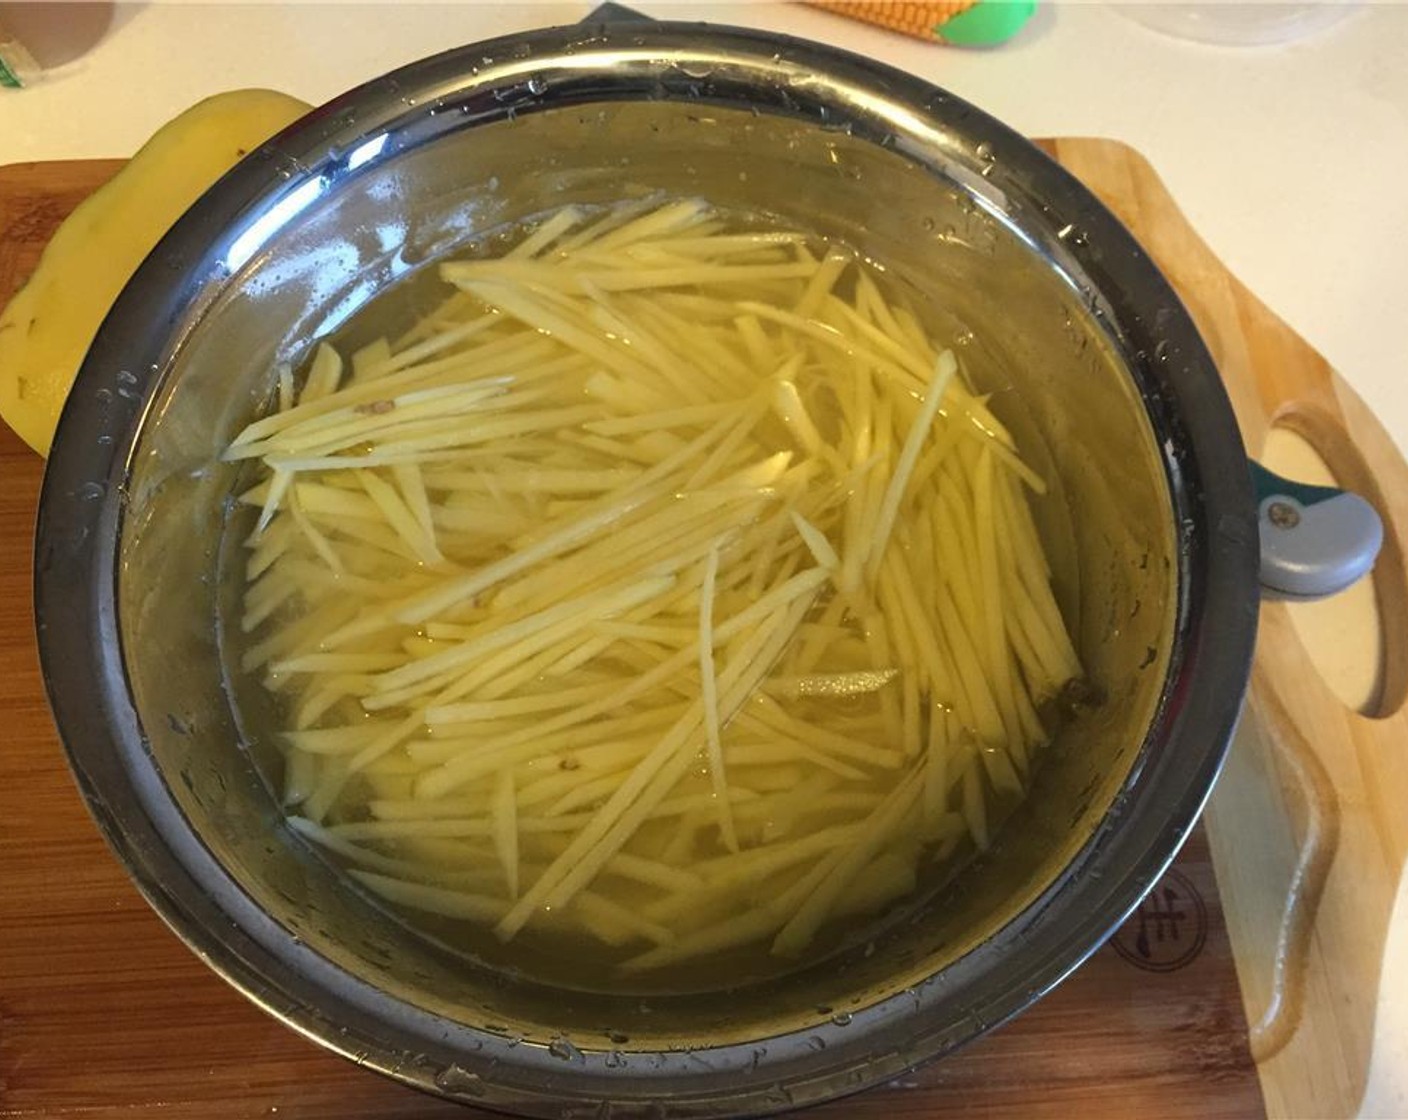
(1236, 23)
(17, 65)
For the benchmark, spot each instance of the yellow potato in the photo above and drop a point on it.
(47, 328)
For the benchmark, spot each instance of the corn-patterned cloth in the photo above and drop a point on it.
(966, 22)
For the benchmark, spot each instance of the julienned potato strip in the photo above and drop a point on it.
(665, 587)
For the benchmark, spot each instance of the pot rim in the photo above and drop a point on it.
(82, 503)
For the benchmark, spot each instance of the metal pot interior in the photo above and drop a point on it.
(989, 270)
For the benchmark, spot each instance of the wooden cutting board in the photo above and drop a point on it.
(103, 1012)
(1308, 825)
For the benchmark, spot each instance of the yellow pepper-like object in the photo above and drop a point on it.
(46, 330)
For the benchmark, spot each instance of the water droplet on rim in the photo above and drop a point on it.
(562, 1048)
(457, 1079)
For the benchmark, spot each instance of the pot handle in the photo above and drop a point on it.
(1315, 540)
(612, 12)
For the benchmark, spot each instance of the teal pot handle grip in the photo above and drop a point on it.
(1315, 540)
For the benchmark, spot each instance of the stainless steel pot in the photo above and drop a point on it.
(1090, 358)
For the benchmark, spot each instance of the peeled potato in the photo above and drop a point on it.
(47, 328)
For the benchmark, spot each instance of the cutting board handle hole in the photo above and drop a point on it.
(1358, 639)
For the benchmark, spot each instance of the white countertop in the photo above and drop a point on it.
(1291, 161)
